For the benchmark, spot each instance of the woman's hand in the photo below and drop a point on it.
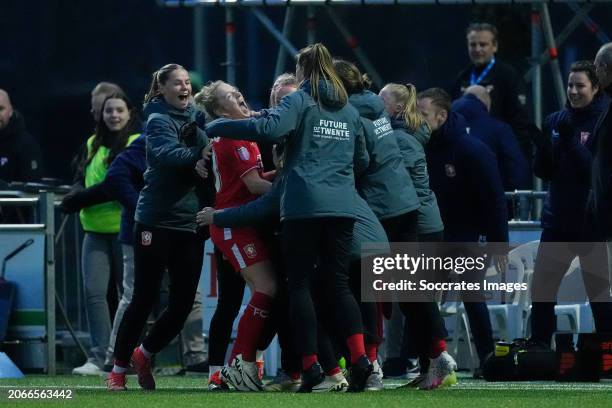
(205, 216)
(200, 167)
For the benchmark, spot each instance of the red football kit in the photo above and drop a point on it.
(232, 160)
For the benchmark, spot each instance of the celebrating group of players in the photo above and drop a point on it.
(350, 169)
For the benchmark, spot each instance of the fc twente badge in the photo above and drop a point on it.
(449, 169)
(146, 238)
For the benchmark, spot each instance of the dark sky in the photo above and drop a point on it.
(52, 52)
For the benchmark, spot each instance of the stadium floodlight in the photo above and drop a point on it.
(228, 2)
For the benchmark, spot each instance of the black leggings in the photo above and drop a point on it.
(423, 318)
(369, 310)
(324, 242)
(155, 251)
(552, 262)
(230, 291)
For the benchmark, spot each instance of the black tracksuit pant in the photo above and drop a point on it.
(155, 251)
(324, 242)
(552, 263)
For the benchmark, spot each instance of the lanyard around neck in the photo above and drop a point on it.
(483, 74)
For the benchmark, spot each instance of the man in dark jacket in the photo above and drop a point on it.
(464, 175)
(506, 87)
(497, 135)
(20, 156)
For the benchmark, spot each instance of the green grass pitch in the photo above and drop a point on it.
(176, 392)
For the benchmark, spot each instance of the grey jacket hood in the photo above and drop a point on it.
(422, 134)
(368, 104)
(327, 96)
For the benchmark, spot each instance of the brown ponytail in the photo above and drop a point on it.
(159, 78)
(351, 77)
(316, 63)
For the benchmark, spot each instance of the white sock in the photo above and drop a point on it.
(146, 353)
(259, 355)
(119, 370)
(213, 369)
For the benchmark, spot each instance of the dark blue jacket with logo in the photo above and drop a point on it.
(464, 175)
(566, 163)
(499, 137)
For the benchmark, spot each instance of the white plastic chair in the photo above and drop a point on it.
(577, 312)
(510, 317)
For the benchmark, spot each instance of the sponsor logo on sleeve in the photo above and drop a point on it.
(243, 153)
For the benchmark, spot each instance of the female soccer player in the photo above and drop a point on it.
(422, 318)
(317, 203)
(165, 231)
(239, 179)
(385, 185)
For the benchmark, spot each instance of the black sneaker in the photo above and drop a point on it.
(394, 367)
(311, 377)
(359, 373)
(195, 369)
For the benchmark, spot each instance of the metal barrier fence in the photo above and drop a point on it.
(44, 217)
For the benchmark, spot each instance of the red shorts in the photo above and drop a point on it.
(242, 247)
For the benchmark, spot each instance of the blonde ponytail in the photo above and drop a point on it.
(406, 95)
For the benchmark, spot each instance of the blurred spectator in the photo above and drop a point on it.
(20, 155)
(116, 128)
(505, 86)
(497, 135)
(98, 94)
(601, 200)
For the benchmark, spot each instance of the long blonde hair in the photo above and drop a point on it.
(316, 63)
(406, 95)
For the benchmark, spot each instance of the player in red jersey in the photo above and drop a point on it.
(239, 179)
